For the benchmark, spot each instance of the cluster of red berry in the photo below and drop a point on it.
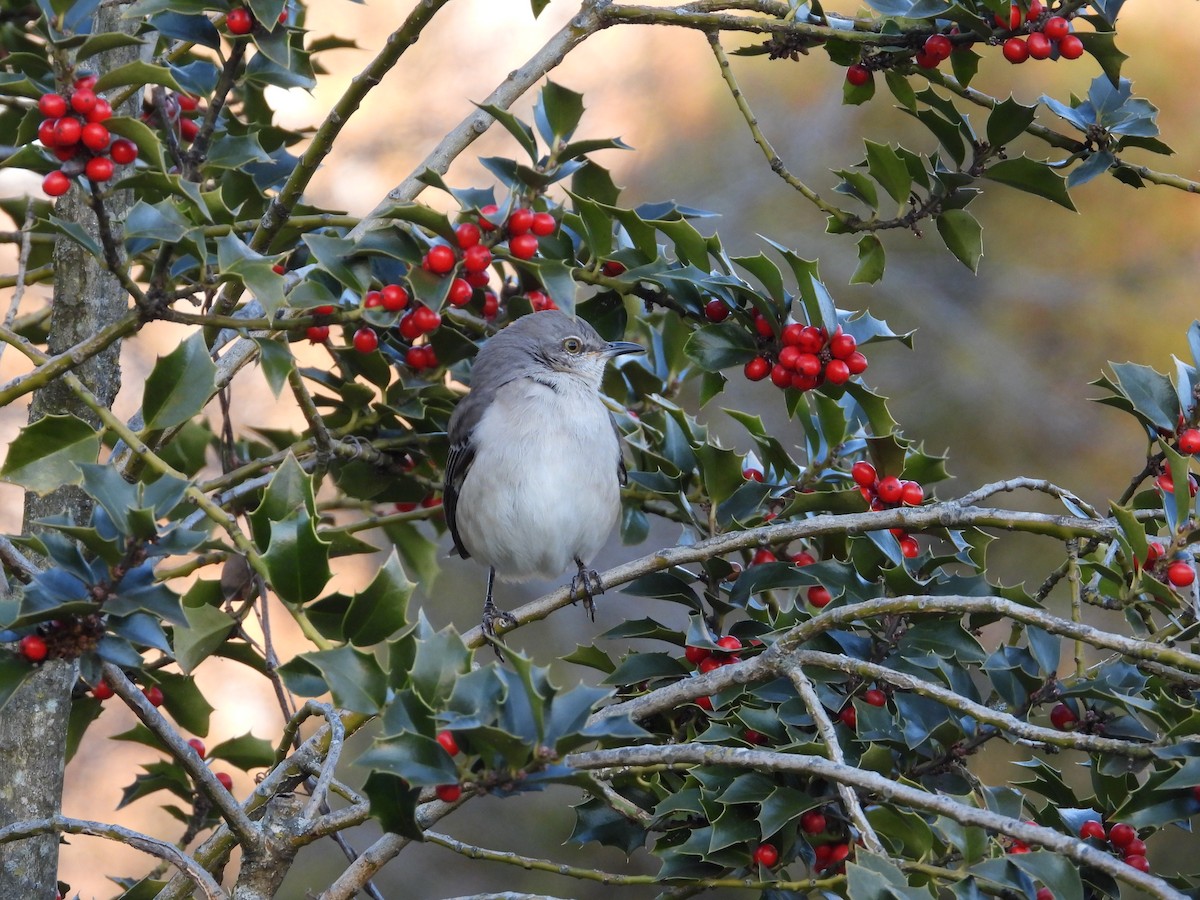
(827, 856)
(1121, 838)
(888, 493)
(180, 111)
(705, 660)
(448, 793)
(73, 130)
(1045, 37)
(1048, 36)
(523, 227)
(1179, 572)
(808, 356)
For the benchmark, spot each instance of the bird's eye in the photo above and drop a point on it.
(572, 345)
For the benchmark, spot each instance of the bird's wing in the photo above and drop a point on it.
(462, 453)
(622, 474)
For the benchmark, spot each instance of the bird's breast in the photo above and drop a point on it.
(543, 487)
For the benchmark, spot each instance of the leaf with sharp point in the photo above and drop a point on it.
(180, 385)
(44, 455)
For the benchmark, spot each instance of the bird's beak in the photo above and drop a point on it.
(620, 348)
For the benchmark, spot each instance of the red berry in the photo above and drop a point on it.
(890, 489)
(101, 112)
(372, 299)
(102, 691)
(756, 370)
(1138, 862)
(52, 106)
(729, 643)
(1189, 441)
(467, 234)
(1013, 20)
(33, 648)
(875, 697)
(520, 220)
(239, 21)
(612, 268)
(858, 75)
(823, 854)
(86, 82)
(1018, 847)
(842, 345)
(709, 663)
(67, 131)
(477, 279)
(188, 129)
(409, 329)
(46, 134)
(766, 855)
(763, 326)
(856, 363)
(225, 780)
(83, 100)
(449, 744)
(318, 334)
(803, 558)
(1063, 717)
(754, 737)
(938, 46)
(704, 703)
(1015, 50)
(56, 184)
(909, 548)
(491, 305)
(448, 793)
(487, 214)
(813, 822)
(1035, 11)
(477, 258)
(1044, 894)
(849, 717)
(762, 555)
(863, 473)
(811, 339)
(123, 151)
(911, 493)
(752, 474)
(1056, 28)
(153, 695)
(540, 302)
(426, 319)
(543, 224)
(1070, 47)
(696, 655)
(99, 168)
(439, 260)
(1092, 829)
(95, 136)
(925, 61)
(365, 340)
(819, 596)
(415, 357)
(393, 297)
(1180, 573)
(837, 372)
(198, 745)
(716, 311)
(187, 102)
(1040, 46)
(781, 376)
(1136, 847)
(523, 246)
(460, 292)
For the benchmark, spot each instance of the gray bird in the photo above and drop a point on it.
(534, 475)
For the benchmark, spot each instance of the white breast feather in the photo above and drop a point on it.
(560, 496)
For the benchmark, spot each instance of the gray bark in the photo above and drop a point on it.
(33, 728)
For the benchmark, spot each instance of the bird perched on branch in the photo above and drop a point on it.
(534, 475)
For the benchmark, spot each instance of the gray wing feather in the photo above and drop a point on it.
(462, 453)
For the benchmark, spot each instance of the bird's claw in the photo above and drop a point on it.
(493, 614)
(588, 582)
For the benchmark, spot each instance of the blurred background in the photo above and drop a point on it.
(998, 377)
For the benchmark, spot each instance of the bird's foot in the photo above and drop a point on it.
(492, 614)
(588, 582)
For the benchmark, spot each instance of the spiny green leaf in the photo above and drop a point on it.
(180, 385)
(44, 455)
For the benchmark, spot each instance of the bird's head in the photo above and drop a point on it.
(553, 340)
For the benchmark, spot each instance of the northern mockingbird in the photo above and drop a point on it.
(533, 480)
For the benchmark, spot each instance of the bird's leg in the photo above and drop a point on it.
(589, 581)
(493, 614)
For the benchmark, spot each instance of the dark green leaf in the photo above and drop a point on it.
(871, 260)
(45, 454)
(180, 385)
(1031, 176)
(963, 236)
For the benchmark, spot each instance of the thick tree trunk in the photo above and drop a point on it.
(33, 729)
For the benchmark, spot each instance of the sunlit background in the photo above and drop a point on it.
(998, 378)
